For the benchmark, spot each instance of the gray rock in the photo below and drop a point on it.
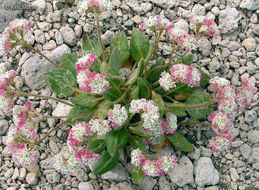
(53, 146)
(3, 127)
(116, 174)
(254, 158)
(22, 174)
(234, 175)
(166, 4)
(251, 5)
(198, 9)
(85, 186)
(44, 26)
(250, 116)
(9, 9)
(253, 136)
(39, 36)
(195, 154)
(107, 37)
(148, 183)
(228, 20)
(255, 28)
(50, 45)
(15, 174)
(78, 30)
(204, 46)
(164, 184)
(61, 110)
(48, 163)
(32, 178)
(40, 4)
(146, 7)
(53, 177)
(34, 67)
(183, 173)
(59, 187)
(8, 173)
(205, 172)
(58, 37)
(183, 24)
(53, 17)
(134, 5)
(249, 44)
(68, 35)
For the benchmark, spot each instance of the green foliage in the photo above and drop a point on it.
(144, 88)
(136, 142)
(187, 59)
(135, 131)
(93, 45)
(85, 100)
(134, 93)
(139, 45)
(115, 60)
(251, 188)
(114, 92)
(135, 73)
(137, 175)
(77, 110)
(198, 98)
(115, 140)
(108, 70)
(180, 142)
(120, 43)
(97, 145)
(179, 112)
(68, 61)
(61, 81)
(106, 163)
(155, 71)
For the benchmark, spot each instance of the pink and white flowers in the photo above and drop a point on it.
(220, 143)
(154, 23)
(170, 125)
(166, 82)
(95, 6)
(181, 73)
(117, 116)
(99, 126)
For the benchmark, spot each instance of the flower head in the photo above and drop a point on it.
(170, 126)
(186, 74)
(99, 126)
(177, 34)
(85, 62)
(220, 143)
(151, 169)
(166, 81)
(95, 6)
(167, 163)
(221, 122)
(117, 116)
(66, 163)
(87, 157)
(154, 23)
(137, 158)
(25, 157)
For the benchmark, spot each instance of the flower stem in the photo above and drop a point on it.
(184, 106)
(173, 50)
(99, 35)
(49, 132)
(19, 93)
(41, 54)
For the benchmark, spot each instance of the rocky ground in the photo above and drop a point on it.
(232, 55)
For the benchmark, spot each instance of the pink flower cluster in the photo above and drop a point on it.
(230, 102)
(5, 103)
(117, 116)
(95, 5)
(211, 27)
(88, 81)
(166, 81)
(150, 116)
(170, 125)
(13, 33)
(186, 42)
(154, 23)
(189, 75)
(163, 165)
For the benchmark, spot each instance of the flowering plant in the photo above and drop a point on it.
(125, 98)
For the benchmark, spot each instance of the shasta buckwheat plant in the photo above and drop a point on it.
(120, 101)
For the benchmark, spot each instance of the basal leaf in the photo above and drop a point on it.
(180, 142)
(115, 60)
(93, 45)
(106, 163)
(137, 175)
(144, 88)
(68, 61)
(97, 145)
(85, 100)
(77, 110)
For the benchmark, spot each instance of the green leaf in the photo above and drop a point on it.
(120, 42)
(187, 59)
(178, 112)
(68, 61)
(61, 81)
(204, 79)
(135, 73)
(180, 142)
(159, 101)
(136, 142)
(85, 100)
(251, 188)
(154, 74)
(198, 98)
(144, 88)
(93, 46)
(115, 140)
(106, 163)
(138, 132)
(137, 175)
(139, 45)
(134, 93)
(115, 60)
(59, 5)
(97, 145)
(113, 92)
(77, 110)
(95, 67)
(105, 68)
